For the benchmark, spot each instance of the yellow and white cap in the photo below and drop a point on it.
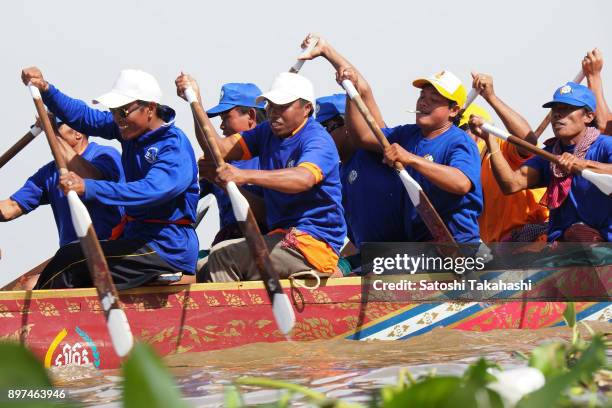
(447, 84)
(477, 110)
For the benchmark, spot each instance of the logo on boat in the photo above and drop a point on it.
(352, 176)
(151, 155)
(429, 157)
(81, 351)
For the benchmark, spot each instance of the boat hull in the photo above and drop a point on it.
(67, 327)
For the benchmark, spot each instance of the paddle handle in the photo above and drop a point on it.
(544, 124)
(502, 134)
(60, 162)
(19, 145)
(419, 199)
(351, 91)
(118, 327)
(602, 181)
(300, 63)
(470, 98)
(207, 139)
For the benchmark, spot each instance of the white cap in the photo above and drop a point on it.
(131, 85)
(288, 87)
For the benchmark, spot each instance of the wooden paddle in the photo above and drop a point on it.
(21, 143)
(116, 320)
(602, 181)
(281, 307)
(421, 202)
(540, 129)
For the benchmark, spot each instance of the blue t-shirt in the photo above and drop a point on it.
(317, 211)
(585, 202)
(226, 213)
(161, 179)
(41, 189)
(452, 148)
(375, 205)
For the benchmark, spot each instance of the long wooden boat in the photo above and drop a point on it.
(64, 327)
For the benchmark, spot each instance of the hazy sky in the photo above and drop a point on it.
(530, 47)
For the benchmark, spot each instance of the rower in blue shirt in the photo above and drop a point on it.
(160, 193)
(375, 206)
(239, 111)
(41, 188)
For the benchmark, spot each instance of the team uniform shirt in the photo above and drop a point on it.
(585, 203)
(226, 213)
(452, 148)
(375, 206)
(42, 188)
(161, 189)
(503, 213)
(317, 212)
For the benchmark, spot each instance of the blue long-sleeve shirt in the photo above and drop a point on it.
(161, 179)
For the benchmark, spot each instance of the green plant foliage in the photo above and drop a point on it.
(593, 358)
(21, 370)
(147, 383)
(550, 359)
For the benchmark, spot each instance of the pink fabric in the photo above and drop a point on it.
(560, 181)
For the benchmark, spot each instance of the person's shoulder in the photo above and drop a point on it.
(604, 141)
(103, 149)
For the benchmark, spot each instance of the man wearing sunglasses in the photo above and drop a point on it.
(300, 180)
(160, 193)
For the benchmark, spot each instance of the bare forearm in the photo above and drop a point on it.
(514, 123)
(598, 167)
(444, 177)
(602, 111)
(292, 181)
(510, 181)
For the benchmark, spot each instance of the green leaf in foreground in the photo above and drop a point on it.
(549, 359)
(21, 370)
(147, 382)
(591, 360)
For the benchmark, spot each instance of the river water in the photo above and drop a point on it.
(339, 368)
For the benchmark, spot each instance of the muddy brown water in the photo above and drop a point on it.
(339, 368)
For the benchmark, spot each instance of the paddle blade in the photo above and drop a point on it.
(412, 187)
(601, 181)
(79, 214)
(240, 205)
(283, 312)
(120, 332)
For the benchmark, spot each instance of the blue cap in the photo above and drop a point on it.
(236, 94)
(573, 94)
(330, 106)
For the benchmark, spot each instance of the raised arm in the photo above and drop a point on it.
(512, 120)
(229, 147)
(592, 65)
(362, 135)
(510, 181)
(74, 112)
